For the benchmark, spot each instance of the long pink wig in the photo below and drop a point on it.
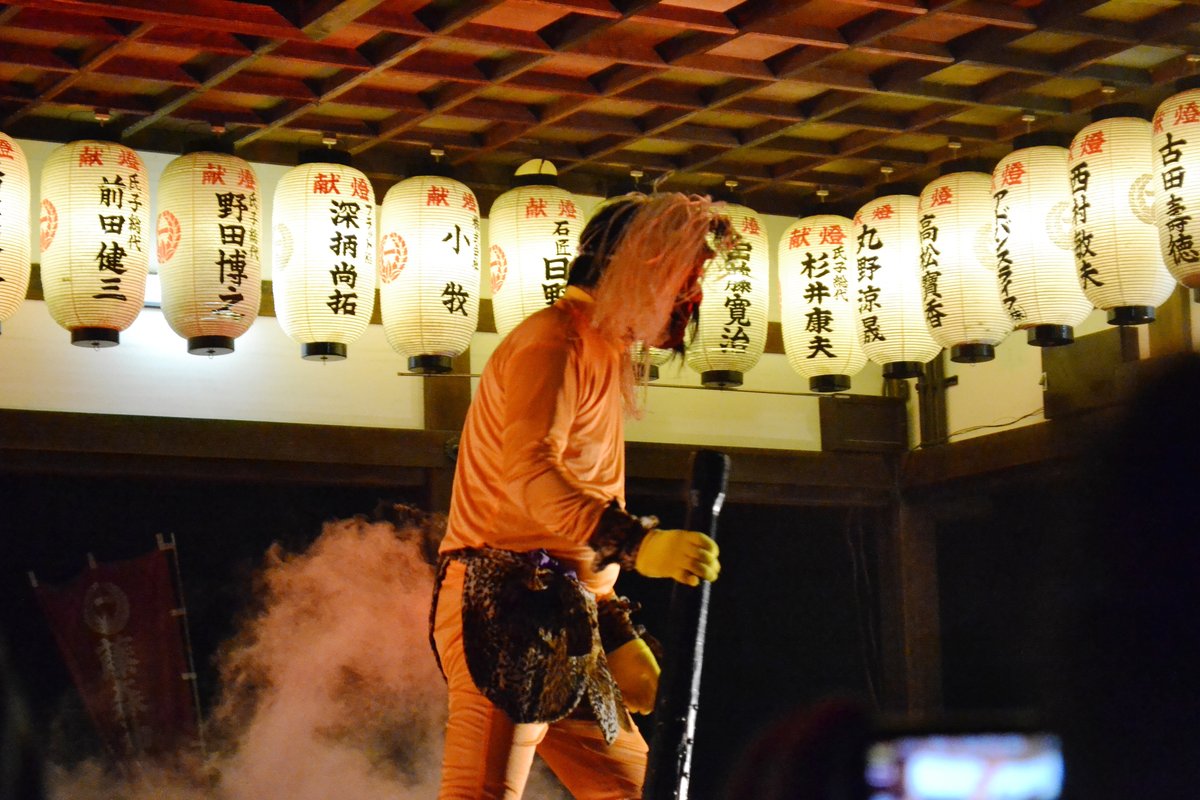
(652, 263)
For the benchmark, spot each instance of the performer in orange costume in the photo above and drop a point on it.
(530, 634)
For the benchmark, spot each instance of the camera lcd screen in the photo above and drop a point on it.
(965, 766)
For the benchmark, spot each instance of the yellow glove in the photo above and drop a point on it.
(635, 670)
(684, 556)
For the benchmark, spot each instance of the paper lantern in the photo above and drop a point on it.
(891, 314)
(1115, 241)
(323, 254)
(818, 291)
(652, 360)
(1035, 263)
(1175, 152)
(533, 230)
(732, 330)
(95, 217)
(209, 232)
(958, 266)
(429, 270)
(14, 227)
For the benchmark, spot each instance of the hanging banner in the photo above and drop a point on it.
(121, 640)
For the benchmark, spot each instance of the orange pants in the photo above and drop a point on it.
(488, 756)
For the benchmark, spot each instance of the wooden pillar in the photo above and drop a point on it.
(447, 398)
(1171, 331)
(910, 616)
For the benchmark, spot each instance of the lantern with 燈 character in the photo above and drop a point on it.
(429, 270)
(95, 224)
(958, 267)
(14, 227)
(891, 314)
(533, 230)
(731, 333)
(323, 254)
(817, 295)
(209, 249)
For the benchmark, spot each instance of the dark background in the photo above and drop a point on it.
(794, 617)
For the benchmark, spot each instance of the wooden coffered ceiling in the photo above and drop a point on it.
(789, 99)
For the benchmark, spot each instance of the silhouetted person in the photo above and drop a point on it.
(1128, 692)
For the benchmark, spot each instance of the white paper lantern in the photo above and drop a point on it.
(1115, 241)
(653, 360)
(95, 238)
(533, 230)
(1175, 152)
(958, 266)
(209, 232)
(818, 295)
(429, 270)
(14, 227)
(323, 255)
(1035, 264)
(732, 330)
(891, 314)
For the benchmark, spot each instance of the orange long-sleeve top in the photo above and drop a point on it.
(542, 451)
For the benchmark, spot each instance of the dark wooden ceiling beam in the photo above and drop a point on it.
(95, 58)
(986, 12)
(249, 19)
(323, 18)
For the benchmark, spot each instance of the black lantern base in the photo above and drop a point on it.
(210, 345)
(649, 370)
(1051, 335)
(95, 337)
(903, 369)
(972, 353)
(1130, 315)
(829, 383)
(721, 379)
(323, 351)
(430, 365)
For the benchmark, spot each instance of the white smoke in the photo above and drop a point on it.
(329, 690)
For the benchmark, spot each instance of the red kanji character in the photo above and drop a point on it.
(535, 208)
(882, 212)
(750, 225)
(438, 196)
(90, 157)
(6, 150)
(1158, 122)
(212, 175)
(128, 158)
(326, 183)
(857, 218)
(1092, 144)
(798, 238)
(469, 202)
(1012, 174)
(1187, 113)
(360, 189)
(832, 234)
(566, 208)
(246, 179)
(941, 196)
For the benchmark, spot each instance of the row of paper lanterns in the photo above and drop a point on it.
(1049, 234)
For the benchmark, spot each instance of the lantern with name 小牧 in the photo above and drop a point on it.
(429, 270)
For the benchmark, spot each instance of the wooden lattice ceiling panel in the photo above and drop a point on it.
(783, 98)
